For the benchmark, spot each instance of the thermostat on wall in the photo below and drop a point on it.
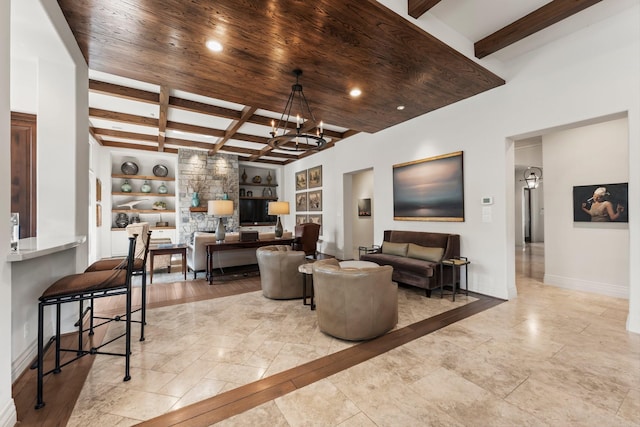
(486, 200)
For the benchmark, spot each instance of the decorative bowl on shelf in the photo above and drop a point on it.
(257, 179)
(159, 205)
(160, 170)
(129, 168)
(162, 224)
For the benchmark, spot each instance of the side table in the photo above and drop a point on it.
(307, 272)
(455, 264)
(363, 250)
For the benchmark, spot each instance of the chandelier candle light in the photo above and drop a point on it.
(306, 135)
(220, 208)
(278, 208)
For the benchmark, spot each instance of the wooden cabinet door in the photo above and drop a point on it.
(23, 171)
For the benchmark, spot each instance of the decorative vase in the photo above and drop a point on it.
(242, 192)
(126, 187)
(244, 176)
(122, 220)
(225, 196)
(195, 200)
(146, 188)
(162, 189)
(269, 178)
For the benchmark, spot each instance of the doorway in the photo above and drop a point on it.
(358, 222)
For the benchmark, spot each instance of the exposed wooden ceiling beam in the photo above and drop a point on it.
(96, 137)
(419, 7)
(124, 92)
(119, 144)
(247, 112)
(125, 135)
(122, 117)
(539, 19)
(162, 116)
(202, 130)
(201, 107)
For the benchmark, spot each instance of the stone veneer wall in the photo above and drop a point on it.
(214, 171)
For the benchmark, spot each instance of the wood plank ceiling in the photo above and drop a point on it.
(224, 101)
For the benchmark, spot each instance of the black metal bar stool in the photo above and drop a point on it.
(141, 230)
(81, 287)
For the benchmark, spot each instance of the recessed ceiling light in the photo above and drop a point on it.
(355, 92)
(400, 107)
(214, 46)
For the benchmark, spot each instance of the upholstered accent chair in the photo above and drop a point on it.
(354, 303)
(306, 238)
(279, 275)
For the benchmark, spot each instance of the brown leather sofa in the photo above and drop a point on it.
(354, 303)
(279, 275)
(306, 238)
(416, 255)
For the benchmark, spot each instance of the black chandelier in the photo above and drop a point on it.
(307, 134)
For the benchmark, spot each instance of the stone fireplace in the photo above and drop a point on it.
(216, 176)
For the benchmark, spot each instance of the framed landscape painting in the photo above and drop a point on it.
(301, 180)
(601, 203)
(315, 177)
(301, 202)
(315, 200)
(429, 189)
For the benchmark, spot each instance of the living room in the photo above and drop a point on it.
(567, 84)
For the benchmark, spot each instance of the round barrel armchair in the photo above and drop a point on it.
(279, 275)
(354, 303)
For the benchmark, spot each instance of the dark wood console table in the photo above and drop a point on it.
(229, 246)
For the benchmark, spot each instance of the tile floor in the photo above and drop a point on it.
(549, 357)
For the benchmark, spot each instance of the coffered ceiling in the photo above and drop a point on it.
(155, 85)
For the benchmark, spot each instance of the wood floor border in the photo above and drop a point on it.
(241, 399)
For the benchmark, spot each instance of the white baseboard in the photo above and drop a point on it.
(23, 361)
(8, 415)
(608, 289)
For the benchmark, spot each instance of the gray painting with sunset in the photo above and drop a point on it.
(431, 190)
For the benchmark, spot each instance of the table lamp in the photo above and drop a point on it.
(220, 208)
(278, 208)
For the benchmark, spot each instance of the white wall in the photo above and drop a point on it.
(42, 40)
(8, 416)
(599, 252)
(586, 75)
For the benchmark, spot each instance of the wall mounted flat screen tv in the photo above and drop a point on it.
(254, 212)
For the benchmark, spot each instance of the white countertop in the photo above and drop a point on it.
(34, 247)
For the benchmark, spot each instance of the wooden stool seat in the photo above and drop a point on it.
(85, 283)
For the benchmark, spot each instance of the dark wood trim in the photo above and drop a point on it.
(235, 125)
(539, 19)
(24, 198)
(417, 8)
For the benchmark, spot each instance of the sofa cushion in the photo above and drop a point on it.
(419, 266)
(398, 249)
(424, 252)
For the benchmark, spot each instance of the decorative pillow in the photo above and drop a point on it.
(390, 248)
(424, 252)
